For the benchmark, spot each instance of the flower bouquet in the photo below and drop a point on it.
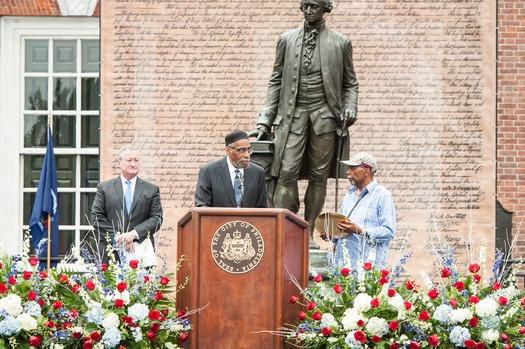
(371, 308)
(119, 305)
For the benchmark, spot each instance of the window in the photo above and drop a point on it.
(59, 82)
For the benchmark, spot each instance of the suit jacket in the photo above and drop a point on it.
(109, 214)
(215, 189)
(339, 82)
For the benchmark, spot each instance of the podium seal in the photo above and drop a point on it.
(237, 247)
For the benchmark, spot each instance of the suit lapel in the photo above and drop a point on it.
(117, 185)
(139, 188)
(227, 181)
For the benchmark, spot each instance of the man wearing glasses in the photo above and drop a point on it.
(232, 181)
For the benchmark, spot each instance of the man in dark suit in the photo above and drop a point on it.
(126, 208)
(232, 181)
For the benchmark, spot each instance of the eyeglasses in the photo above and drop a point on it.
(242, 150)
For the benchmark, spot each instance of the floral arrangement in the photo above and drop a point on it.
(371, 308)
(119, 305)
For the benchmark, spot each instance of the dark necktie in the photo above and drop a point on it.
(127, 196)
(237, 186)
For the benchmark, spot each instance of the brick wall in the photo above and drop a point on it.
(511, 114)
(29, 8)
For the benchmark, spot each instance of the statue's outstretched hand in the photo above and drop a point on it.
(261, 133)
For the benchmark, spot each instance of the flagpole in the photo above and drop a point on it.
(49, 125)
(48, 242)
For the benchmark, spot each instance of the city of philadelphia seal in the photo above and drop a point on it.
(237, 247)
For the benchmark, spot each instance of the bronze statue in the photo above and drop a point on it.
(311, 102)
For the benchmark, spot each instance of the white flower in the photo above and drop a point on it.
(460, 315)
(122, 295)
(110, 320)
(328, 320)
(138, 312)
(350, 318)
(486, 307)
(362, 302)
(490, 336)
(12, 304)
(27, 322)
(377, 326)
(397, 302)
(442, 313)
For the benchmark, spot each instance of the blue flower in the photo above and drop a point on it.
(459, 335)
(32, 308)
(112, 337)
(9, 326)
(442, 313)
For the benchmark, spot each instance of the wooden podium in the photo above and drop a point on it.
(239, 261)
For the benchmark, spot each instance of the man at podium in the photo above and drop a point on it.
(232, 181)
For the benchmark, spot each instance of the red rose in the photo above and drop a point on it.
(154, 315)
(504, 337)
(77, 335)
(453, 302)
(184, 337)
(134, 263)
(502, 300)
(95, 336)
(473, 322)
(424, 316)
(27, 275)
(302, 315)
(31, 296)
(473, 299)
(40, 302)
(474, 268)
(374, 302)
(87, 345)
(345, 272)
(63, 279)
(383, 281)
(393, 325)
(496, 286)
(121, 287)
(73, 313)
(158, 296)
(384, 273)
(367, 266)
(146, 279)
(128, 320)
(338, 289)
(522, 301)
(103, 267)
(326, 331)
(164, 280)
(181, 314)
(507, 346)
(57, 305)
(11, 281)
(445, 273)
(376, 339)
(67, 325)
(470, 344)
(90, 285)
(433, 294)
(151, 336)
(477, 278)
(360, 336)
(391, 292)
(1, 265)
(414, 345)
(318, 278)
(155, 327)
(407, 304)
(35, 341)
(317, 316)
(522, 330)
(480, 345)
(460, 286)
(293, 299)
(393, 346)
(49, 324)
(409, 285)
(311, 306)
(119, 303)
(75, 288)
(433, 340)
(43, 275)
(3, 288)
(33, 261)
(360, 323)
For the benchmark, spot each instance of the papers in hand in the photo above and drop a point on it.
(143, 252)
(326, 224)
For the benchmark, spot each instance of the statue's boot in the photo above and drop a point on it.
(313, 203)
(286, 196)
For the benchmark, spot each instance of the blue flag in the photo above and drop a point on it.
(46, 202)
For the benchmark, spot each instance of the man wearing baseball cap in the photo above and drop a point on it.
(233, 181)
(371, 216)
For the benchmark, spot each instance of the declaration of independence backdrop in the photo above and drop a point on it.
(178, 75)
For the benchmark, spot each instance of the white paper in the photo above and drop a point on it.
(144, 253)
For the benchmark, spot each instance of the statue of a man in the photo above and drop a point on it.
(311, 102)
